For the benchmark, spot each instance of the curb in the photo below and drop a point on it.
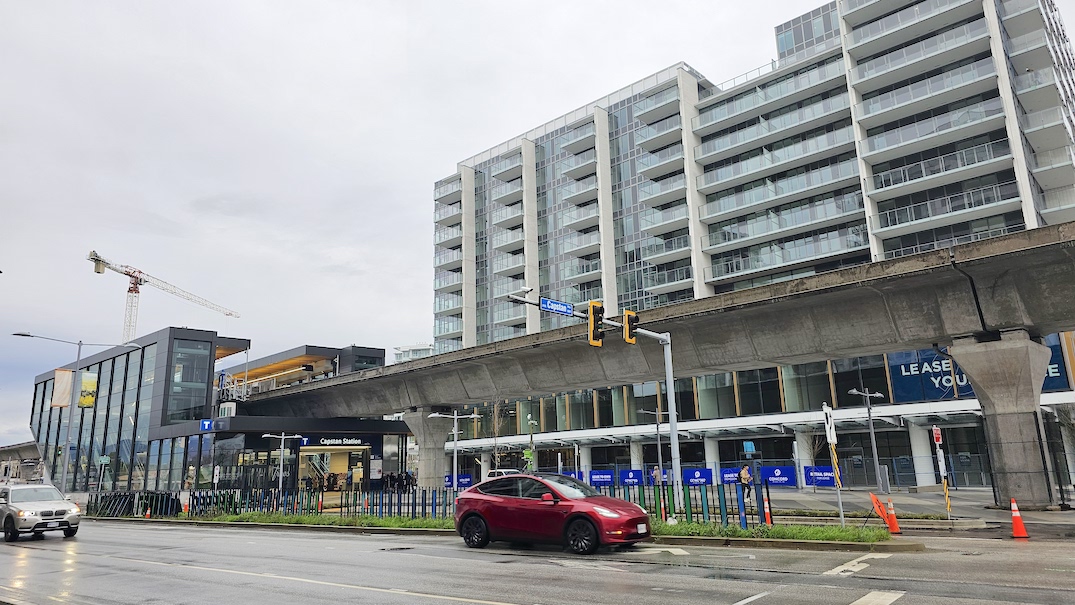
(880, 547)
(936, 524)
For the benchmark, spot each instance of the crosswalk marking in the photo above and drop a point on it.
(879, 597)
(750, 599)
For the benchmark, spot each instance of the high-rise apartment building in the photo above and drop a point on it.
(884, 128)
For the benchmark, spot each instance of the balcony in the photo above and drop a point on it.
(1058, 205)
(580, 139)
(665, 161)
(508, 193)
(448, 281)
(1022, 16)
(582, 217)
(507, 217)
(663, 282)
(787, 255)
(772, 162)
(948, 210)
(448, 237)
(912, 22)
(508, 264)
(768, 131)
(659, 193)
(449, 193)
(447, 326)
(509, 314)
(956, 125)
(787, 189)
(1046, 129)
(659, 222)
(954, 241)
(783, 224)
(508, 169)
(667, 251)
(925, 55)
(448, 259)
(657, 106)
(447, 214)
(581, 165)
(942, 89)
(779, 94)
(447, 346)
(581, 271)
(1038, 90)
(581, 244)
(503, 286)
(580, 192)
(507, 240)
(1053, 169)
(660, 134)
(857, 12)
(949, 168)
(447, 303)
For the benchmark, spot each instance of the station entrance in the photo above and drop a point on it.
(333, 468)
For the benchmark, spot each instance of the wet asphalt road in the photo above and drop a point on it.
(120, 563)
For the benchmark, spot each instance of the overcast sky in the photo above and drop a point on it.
(278, 158)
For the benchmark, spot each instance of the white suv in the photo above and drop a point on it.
(36, 509)
(501, 472)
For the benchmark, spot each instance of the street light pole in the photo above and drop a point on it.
(867, 396)
(283, 437)
(530, 424)
(455, 441)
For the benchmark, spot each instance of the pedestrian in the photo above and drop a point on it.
(656, 475)
(309, 483)
(746, 480)
(350, 478)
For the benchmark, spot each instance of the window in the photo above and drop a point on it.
(759, 392)
(191, 363)
(806, 386)
(716, 396)
(508, 487)
(530, 488)
(860, 373)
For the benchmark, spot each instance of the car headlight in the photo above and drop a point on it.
(25, 513)
(75, 509)
(604, 512)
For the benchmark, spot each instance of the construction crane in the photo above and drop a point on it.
(140, 278)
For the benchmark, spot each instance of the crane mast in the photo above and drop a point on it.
(140, 278)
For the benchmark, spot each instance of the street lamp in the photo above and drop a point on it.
(660, 463)
(76, 389)
(283, 437)
(455, 441)
(867, 396)
(530, 424)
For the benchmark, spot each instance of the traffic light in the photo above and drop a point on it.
(630, 324)
(596, 316)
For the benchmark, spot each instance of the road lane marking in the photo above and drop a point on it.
(880, 597)
(583, 565)
(751, 599)
(649, 550)
(854, 565)
(751, 557)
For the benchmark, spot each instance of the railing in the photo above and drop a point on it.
(577, 187)
(666, 95)
(770, 67)
(1058, 198)
(1041, 119)
(953, 241)
(509, 312)
(649, 160)
(952, 161)
(655, 188)
(792, 251)
(571, 270)
(787, 185)
(662, 278)
(1025, 42)
(443, 211)
(502, 286)
(936, 124)
(1050, 158)
(447, 325)
(930, 46)
(504, 213)
(658, 128)
(1033, 79)
(654, 217)
(579, 133)
(973, 198)
(850, 5)
(780, 122)
(575, 161)
(447, 188)
(769, 222)
(443, 234)
(580, 213)
(669, 245)
(447, 278)
(1012, 7)
(575, 241)
(506, 188)
(447, 302)
(775, 91)
(899, 19)
(767, 159)
(506, 164)
(446, 256)
(927, 87)
(505, 262)
(506, 236)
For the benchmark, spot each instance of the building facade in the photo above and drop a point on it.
(410, 352)
(884, 128)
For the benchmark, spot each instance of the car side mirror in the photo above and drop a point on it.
(548, 497)
(67, 497)
(3, 500)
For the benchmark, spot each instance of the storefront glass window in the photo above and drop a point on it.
(806, 386)
(759, 392)
(716, 396)
(861, 373)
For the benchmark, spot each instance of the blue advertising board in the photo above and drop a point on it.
(729, 475)
(600, 478)
(698, 476)
(821, 476)
(464, 480)
(632, 476)
(779, 476)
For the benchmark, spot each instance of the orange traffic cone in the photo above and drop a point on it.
(1018, 529)
(147, 512)
(893, 524)
(768, 515)
(186, 509)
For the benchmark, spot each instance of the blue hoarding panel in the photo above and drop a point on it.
(632, 476)
(729, 475)
(464, 480)
(821, 476)
(697, 476)
(779, 476)
(600, 478)
(575, 474)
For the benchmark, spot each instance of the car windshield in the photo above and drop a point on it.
(35, 494)
(570, 487)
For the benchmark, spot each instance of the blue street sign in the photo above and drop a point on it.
(631, 476)
(600, 478)
(464, 480)
(729, 475)
(698, 476)
(556, 306)
(821, 476)
(782, 476)
(207, 425)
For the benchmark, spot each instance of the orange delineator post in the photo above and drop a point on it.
(893, 524)
(1018, 529)
(768, 515)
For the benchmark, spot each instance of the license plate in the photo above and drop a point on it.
(642, 528)
(53, 524)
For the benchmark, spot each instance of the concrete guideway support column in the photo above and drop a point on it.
(1007, 376)
(922, 455)
(431, 434)
(636, 455)
(804, 446)
(586, 460)
(712, 456)
(487, 465)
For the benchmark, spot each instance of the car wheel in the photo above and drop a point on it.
(475, 532)
(10, 533)
(70, 532)
(582, 537)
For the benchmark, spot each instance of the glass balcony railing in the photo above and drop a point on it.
(1014, 7)
(447, 302)
(447, 346)
(652, 217)
(786, 185)
(504, 189)
(443, 257)
(1041, 119)
(770, 67)
(504, 213)
(581, 132)
(655, 188)
(578, 187)
(815, 245)
(442, 234)
(665, 96)
(1050, 158)
(576, 297)
(669, 245)
(444, 279)
(502, 286)
(506, 164)
(919, 50)
(774, 124)
(447, 188)
(850, 5)
(447, 325)
(945, 163)
(973, 198)
(928, 87)
(767, 159)
(580, 214)
(899, 19)
(508, 262)
(1025, 42)
(442, 211)
(649, 160)
(571, 270)
(772, 92)
(576, 161)
(663, 278)
(953, 241)
(505, 237)
(1034, 79)
(658, 128)
(509, 312)
(574, 241)
(784, 218)
(939, 123)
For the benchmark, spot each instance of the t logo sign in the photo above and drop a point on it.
(207, 425)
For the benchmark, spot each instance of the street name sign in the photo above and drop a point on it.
(557, 306)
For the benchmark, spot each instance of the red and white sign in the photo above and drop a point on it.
(936, 435)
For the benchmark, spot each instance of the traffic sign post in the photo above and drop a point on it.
(943, 468)
(830, 436)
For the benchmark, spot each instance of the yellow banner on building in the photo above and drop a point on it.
(87, 398)
(61, 388)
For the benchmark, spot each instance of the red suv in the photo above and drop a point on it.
(546, 507)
